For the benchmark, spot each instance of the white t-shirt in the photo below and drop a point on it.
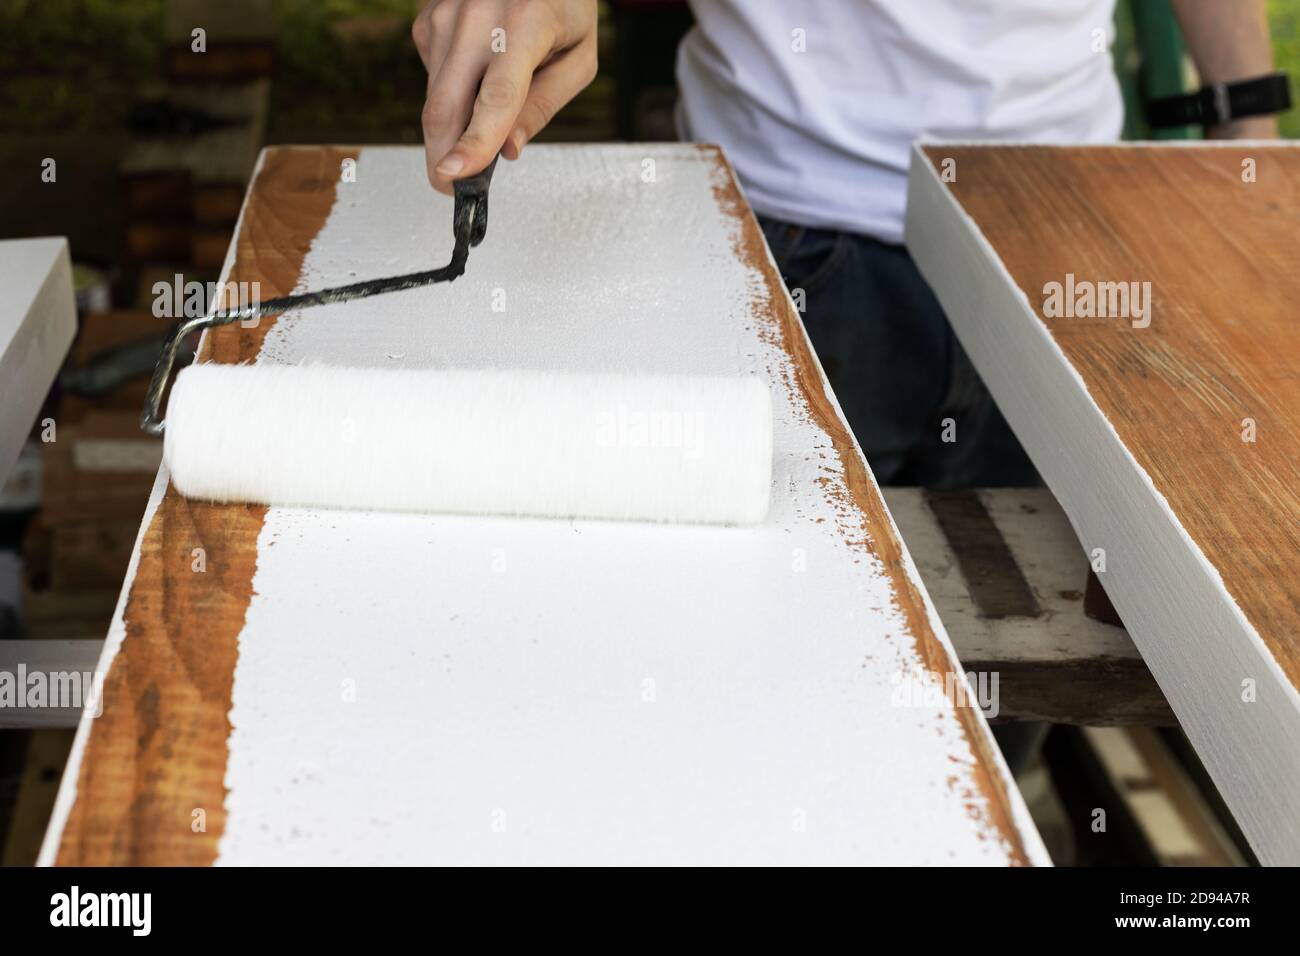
(818, 102)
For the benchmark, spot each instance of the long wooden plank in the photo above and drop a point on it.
(400, 688)
(1172, 438)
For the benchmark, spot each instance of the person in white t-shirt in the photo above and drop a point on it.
(817, 103)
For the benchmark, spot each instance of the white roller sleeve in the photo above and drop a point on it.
(661, 448)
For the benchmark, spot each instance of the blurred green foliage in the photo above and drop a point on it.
(310, 48)
(76, 63)
(1284, 17)
(63, 61)
(346, 70)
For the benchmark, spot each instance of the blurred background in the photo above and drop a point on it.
(154, 149)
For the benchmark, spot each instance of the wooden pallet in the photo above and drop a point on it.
(183, 193)
(1005, 572)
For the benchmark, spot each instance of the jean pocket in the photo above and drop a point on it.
(805, 257)
(814, 259)
(782, 237)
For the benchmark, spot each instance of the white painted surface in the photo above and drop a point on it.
(420, 688)
(38, 320)
(1192, 634)
(670, 448)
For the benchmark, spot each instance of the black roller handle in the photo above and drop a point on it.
(469, 225)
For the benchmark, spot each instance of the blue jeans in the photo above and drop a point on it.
(911, 396)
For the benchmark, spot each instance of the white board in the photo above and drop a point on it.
(38, 320)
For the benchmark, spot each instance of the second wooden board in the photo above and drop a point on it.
(1133, 310)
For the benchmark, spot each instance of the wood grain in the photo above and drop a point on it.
(160, 751)
(1224, 265)
(157, 754)
(1170, 438)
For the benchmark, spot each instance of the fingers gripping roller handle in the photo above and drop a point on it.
(471, 211)
(469, 226)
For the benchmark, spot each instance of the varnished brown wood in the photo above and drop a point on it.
(150, 788)
(1223, 257)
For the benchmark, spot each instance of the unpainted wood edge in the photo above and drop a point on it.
(1264, 794)
(57, 848)
(998, 805)
(67, 792)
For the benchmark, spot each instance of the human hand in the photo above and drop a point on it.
(499, 70)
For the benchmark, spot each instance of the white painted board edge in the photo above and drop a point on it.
(38, 321)
(1192, 634)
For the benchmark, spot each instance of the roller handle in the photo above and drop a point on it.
(470, 216)
(469, 226)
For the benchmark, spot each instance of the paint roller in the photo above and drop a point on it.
(663, 448)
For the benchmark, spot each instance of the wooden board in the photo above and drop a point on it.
(1167, 808)
(1142, 426)
(38, 319)
(342, 687)
(1052, 662)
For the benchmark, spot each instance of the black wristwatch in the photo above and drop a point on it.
(1223, 102)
